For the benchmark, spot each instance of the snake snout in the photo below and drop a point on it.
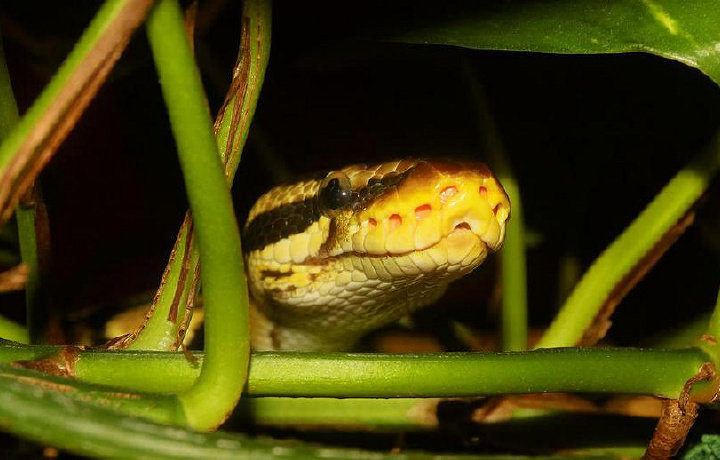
(433, 203)
(476, 204)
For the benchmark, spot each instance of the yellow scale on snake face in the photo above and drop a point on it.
(330, 259)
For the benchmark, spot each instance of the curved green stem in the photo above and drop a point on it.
(224, 370)
(231, 129)
(630, 247)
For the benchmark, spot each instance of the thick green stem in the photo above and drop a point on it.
(604, 370)
(224, 371)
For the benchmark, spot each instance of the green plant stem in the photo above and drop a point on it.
(224, 369)
(160, 332)
(233, 124)
(231, 127)
(514, 271)
(74, 416)
(34, 306)
(104, 17)
(42, 128)
(472, 374)
(349, 413)
(8, 119)
(603, 370)
(25, 221)
(630, 247)
(512, 256)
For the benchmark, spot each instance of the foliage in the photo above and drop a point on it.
(90, 418)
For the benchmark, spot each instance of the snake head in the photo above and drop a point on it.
(333, 258)
(454, 212)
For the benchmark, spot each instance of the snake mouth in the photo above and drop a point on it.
(490, 231)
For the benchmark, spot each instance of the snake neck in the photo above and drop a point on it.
(274, 327)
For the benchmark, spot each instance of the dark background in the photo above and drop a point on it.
(591, 138)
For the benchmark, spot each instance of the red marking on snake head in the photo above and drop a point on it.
(395, 220)
(423, 211)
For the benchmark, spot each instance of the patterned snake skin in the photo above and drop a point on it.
(330, 259)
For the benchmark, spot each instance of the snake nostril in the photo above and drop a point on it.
(483, 191)
(447, 193)
(372, 223)
(463, 226)
(395, 221)
(423, 211)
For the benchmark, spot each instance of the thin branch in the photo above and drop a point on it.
(53, 115)
(601, 324)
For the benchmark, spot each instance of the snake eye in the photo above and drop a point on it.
(335, 192)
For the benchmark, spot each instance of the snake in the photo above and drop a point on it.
(342, 253)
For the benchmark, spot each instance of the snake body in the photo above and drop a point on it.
(334, 257)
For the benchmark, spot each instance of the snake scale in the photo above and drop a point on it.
(334, 257)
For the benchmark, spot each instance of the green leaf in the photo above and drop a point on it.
(708, 447)
(684, 30)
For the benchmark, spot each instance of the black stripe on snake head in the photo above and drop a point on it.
(291, 218)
